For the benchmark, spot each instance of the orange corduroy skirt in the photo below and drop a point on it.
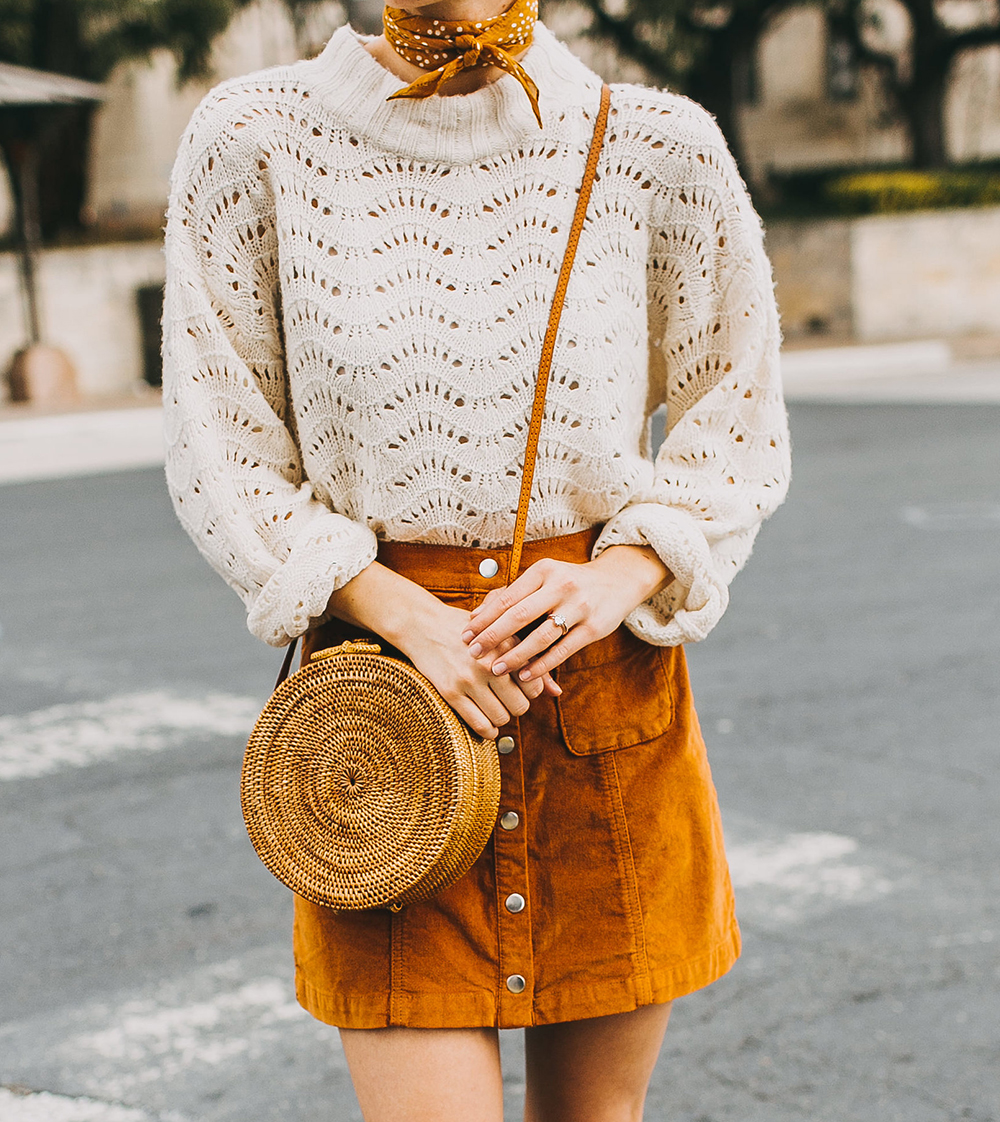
(604, 886)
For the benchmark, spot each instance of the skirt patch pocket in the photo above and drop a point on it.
(617, 693)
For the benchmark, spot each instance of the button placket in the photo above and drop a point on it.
(513, 914)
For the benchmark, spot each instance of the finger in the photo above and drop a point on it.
(514, 619)
(487, 658)
(531, 579)
(490, 702)
(531, 689)
(557, 654)
(539, 639)
(500, 599)
(511, 696)
(475, 718)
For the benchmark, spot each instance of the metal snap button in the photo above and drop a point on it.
(509, 820)
(488, 568)
(514, 903)
(505, 745)
(516, 983)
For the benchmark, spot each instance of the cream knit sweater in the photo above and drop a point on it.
(356, 297)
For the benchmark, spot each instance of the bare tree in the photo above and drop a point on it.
(703, 48)
(918, 76)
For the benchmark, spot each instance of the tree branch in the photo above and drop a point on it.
(848, 23)
(621, 33)
(973, 37)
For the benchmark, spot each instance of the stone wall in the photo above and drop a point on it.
(812, 268)
(89, 308)
(934, 274)
(931, 274)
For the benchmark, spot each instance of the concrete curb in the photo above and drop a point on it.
(81, 443)
(87, 442)
(922, 371)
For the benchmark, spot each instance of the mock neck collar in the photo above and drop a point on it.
(459, 128)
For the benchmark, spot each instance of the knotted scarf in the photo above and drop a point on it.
(446, 47)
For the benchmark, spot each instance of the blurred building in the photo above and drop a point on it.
(137, 129)
(805, 105)
(100, 303)
(809, 105)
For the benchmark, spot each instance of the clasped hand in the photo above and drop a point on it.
(564, 607)
(490, 664)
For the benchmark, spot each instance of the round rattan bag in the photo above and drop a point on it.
(361, 788)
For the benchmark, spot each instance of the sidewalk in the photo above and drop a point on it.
(923, 371)
(104, 435)
(123, 433)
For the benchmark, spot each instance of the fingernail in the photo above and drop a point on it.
(499, 668)
(525, 674)
(558, 688)
(467, 635)
(475, 650)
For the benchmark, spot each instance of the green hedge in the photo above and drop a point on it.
(889, 192)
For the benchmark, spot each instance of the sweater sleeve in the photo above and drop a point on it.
(724, 465)
(234, 469)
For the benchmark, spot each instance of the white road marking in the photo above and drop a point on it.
(950, 517)
(40, 1106)
(791, 878)
(163, 1047)
(81, 443)
(83, 733)
(148, 1041)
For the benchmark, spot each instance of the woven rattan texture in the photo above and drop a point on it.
(360, 786)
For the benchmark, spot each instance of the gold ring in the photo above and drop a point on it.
(559, 621)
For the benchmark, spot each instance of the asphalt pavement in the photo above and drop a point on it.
(850, 699)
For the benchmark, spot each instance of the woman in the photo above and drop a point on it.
(362, 251)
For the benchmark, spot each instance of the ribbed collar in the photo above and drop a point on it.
(456, 129)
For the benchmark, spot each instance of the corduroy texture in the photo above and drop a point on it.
(617, 851)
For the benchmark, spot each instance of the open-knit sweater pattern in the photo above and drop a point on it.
(357, 292)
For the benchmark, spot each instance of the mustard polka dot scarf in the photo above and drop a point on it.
(447, 47)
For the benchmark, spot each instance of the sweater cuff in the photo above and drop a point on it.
(693, 603)
(330, 551)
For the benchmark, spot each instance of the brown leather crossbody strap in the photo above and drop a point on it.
(549, 344)
(545, 363)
